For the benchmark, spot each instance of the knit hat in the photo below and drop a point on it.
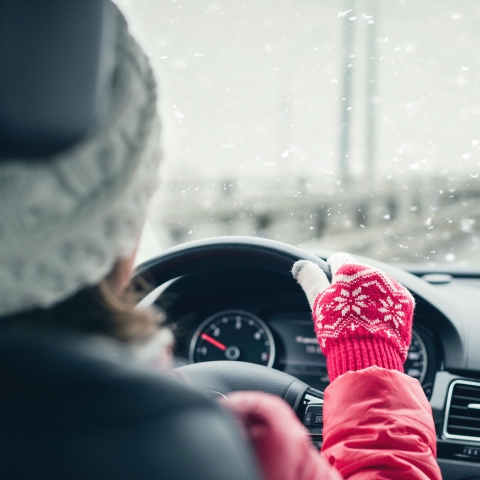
(66, 219)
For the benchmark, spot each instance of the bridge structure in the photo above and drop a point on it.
(414, 219)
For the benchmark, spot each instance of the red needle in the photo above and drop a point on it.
(219, 345)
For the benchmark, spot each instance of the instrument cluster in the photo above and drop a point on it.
(285, 341)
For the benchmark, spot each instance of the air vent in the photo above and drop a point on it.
(462, 420)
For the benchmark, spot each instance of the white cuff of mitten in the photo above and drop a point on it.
(311, 278)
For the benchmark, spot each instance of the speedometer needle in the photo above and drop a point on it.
(214, 342)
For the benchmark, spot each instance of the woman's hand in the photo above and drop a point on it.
(281, 443)
(363, 318)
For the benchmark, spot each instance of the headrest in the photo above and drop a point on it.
(52, 75)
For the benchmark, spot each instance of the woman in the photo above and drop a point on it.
(74, 403)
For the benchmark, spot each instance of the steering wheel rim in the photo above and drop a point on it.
(227, 252)
(224, 377)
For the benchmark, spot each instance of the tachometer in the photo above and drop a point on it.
(416, 364)
(233, 335)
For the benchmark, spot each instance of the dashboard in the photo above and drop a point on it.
(262, 317)
(259, 316)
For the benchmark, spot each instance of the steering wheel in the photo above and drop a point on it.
(224, 377)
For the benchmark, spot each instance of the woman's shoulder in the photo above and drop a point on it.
(86, 396)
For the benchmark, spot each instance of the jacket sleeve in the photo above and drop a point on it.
(378, 424)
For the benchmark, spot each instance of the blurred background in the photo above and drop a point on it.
(332, 125)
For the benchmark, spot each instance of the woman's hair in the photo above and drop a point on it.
(99, 309)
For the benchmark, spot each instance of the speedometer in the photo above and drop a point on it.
(233, 335)
(416, 364)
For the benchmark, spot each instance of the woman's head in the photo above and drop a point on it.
(69, 223)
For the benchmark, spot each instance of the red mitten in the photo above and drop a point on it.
(362, 318)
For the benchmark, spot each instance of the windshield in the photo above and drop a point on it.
(329, 125)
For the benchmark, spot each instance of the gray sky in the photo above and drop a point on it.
(243, 83)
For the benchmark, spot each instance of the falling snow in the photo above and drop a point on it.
(302, 138)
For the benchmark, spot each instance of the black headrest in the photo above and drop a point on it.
(52, 73)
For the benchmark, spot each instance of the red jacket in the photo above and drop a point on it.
(377, 425)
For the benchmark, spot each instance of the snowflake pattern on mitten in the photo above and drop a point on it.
(364, 302)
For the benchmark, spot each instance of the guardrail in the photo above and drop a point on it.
(384, 219)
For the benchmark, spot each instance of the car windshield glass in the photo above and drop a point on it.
(329, 125)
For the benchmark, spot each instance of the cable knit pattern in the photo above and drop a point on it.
(66, 219)
(363, 318)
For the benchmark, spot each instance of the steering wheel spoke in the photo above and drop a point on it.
(220, 378)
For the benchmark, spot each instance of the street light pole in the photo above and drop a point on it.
(347, 84)
(371, 91)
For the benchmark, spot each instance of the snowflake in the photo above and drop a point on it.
(393, 311)
(347, 301)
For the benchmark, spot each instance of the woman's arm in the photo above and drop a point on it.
(377, 421)
(378, 424)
